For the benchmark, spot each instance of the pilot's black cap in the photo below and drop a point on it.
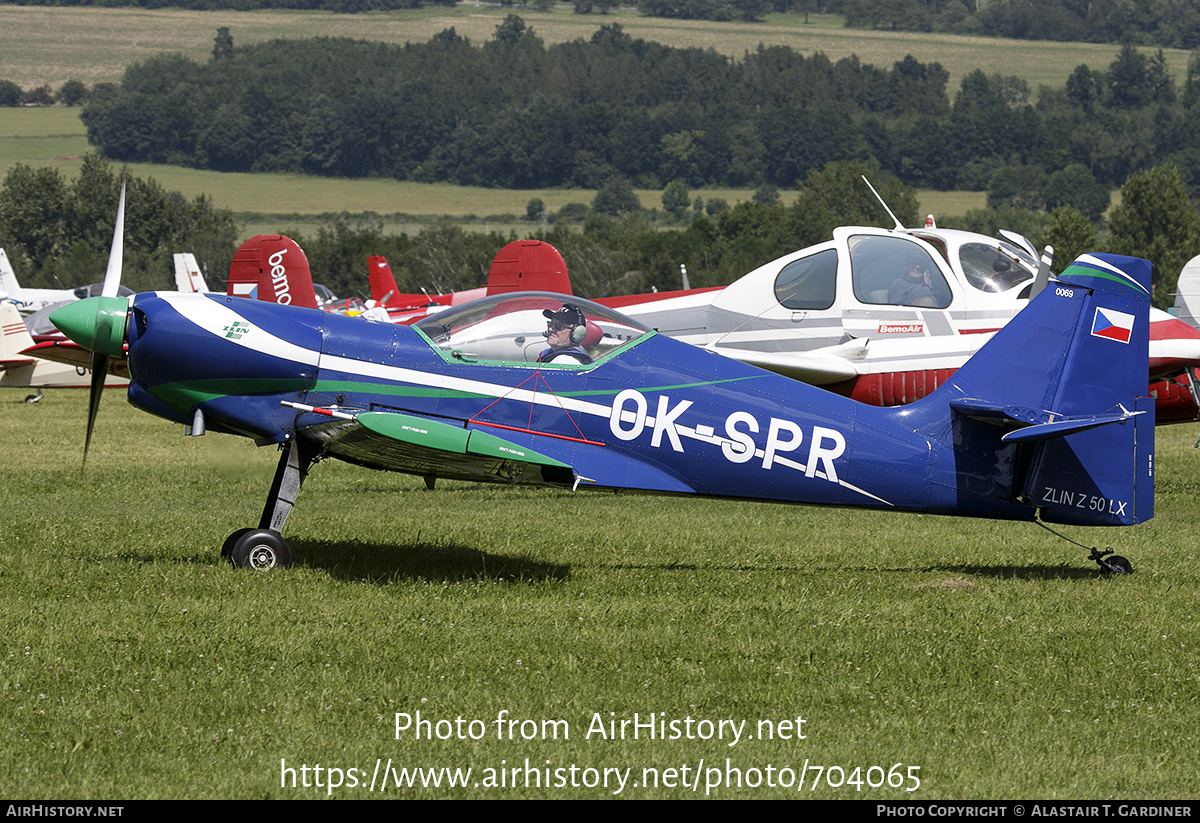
(569, 316)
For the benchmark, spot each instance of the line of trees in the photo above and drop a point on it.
(58, 233)
(70, 93)
(339, 6)
(622, 251)
(518, 114)
(1166, 23)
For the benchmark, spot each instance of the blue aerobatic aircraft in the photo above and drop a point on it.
(1047, 422)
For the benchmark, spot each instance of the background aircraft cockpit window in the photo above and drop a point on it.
(996, 268)
(808, 283)
(511, 327)
(897, 272)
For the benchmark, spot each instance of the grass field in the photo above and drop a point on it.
(990, 655)
(41, 44)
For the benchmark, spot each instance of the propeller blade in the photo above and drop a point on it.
(112, 276)
(1043, 273)
(98, 323)
(99, 375)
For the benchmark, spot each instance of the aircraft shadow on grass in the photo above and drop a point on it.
(1027, 572)
(387, 562)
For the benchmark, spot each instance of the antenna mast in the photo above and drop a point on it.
(899, 225)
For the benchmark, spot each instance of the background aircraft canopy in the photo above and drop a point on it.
(994, 266)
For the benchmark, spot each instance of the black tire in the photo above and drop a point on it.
(261, 550)
(227, 546)
(1117, 565)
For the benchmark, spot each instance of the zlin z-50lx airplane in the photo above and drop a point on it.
(1049, 421)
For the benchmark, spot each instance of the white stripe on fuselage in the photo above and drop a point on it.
(214, 318)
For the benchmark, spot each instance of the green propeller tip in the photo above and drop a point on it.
(97, 323)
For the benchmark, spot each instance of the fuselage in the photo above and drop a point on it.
(651, 415)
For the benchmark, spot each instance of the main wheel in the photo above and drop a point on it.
(227, 547)
(260, 549)
(1117, 565)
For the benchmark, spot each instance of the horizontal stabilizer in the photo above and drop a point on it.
(1031, 425)
(17, 363)
(1061, 428)
(1000, 414)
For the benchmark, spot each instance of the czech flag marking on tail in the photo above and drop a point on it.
(1112, 325)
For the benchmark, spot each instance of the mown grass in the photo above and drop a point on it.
(41, 44)
(139, 665)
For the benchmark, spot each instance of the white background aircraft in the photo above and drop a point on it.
(845, 315)
(31, 300)
(20, 369)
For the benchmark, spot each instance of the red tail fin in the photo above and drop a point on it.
(277, 267)
(383, 284)
(528, 265)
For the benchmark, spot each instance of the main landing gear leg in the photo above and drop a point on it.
(264, 548)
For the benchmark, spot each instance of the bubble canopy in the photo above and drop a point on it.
(512, 327)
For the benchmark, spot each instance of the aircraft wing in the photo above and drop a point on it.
(473, 450)
(72, 354)
(16, 363)
(416, 445)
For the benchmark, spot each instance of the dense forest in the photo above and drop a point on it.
(518, 114)
(1166, 23)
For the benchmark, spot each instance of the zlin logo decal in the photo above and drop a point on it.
(236, 329)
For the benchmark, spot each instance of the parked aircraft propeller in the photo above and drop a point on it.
(101, 321)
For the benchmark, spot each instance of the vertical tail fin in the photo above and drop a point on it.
(382, 282)
(1052, 412)
(1187, 293)
(8, 278)
(528, 265)
(188, 278)
(273, 268)
(14, 337)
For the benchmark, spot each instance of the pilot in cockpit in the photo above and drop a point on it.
(913, 287)
(567, 333)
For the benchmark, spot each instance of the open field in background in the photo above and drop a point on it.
(51, 45)
(138, 664)
(55, 137)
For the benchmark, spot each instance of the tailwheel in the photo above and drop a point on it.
(258, 549)
(1110, 563)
